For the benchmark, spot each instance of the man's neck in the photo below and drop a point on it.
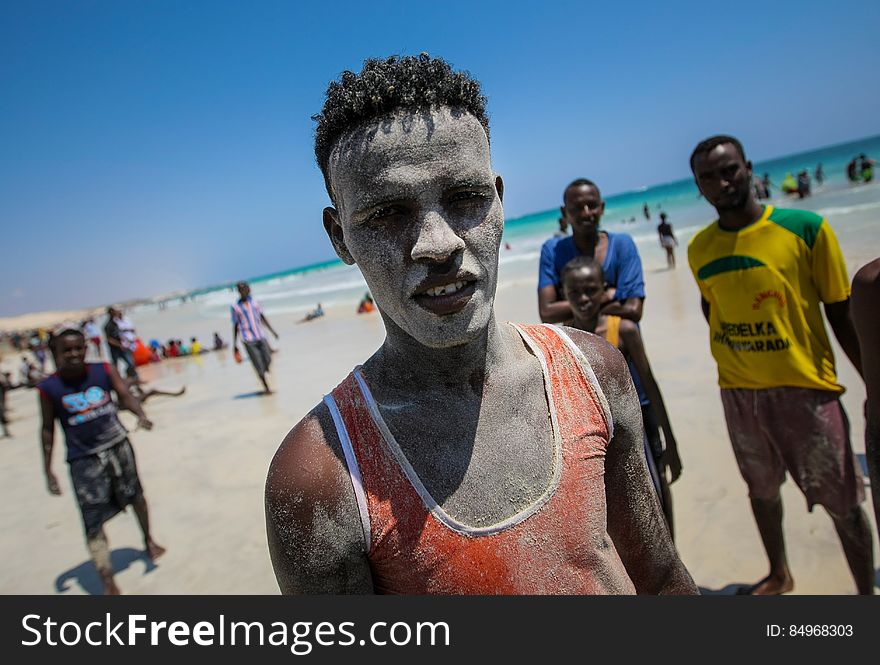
(586, 243)
(734, 220)
(589, 325)
(403, 364)
(71, 374)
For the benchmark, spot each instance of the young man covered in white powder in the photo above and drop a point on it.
(465, 456)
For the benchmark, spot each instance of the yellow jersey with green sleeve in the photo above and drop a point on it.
(764, 284)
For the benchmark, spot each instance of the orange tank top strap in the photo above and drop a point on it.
(612, 331)
(415, 547)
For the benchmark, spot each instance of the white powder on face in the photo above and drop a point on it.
(415, 163)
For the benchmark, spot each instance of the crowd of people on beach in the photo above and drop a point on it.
(471, 456)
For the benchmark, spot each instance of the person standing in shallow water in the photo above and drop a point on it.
(434, 466)
(762, 274)
(100, 457)
(668, 241)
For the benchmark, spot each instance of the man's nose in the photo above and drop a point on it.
(436, 240)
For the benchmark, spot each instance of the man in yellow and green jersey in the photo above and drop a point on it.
(765, 274)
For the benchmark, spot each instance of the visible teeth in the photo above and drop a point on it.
(445, 290)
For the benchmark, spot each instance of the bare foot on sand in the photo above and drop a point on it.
(769, 586)
(154, 550)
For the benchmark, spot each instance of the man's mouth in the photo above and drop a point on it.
(446, 298)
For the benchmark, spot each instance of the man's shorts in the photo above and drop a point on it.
(803, 431)
(260, 355)
(105, 483)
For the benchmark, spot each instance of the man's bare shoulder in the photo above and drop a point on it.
(867, 280)
(314, 530)
(307, 460)
(606, 361)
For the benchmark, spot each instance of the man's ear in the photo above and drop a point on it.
(336, 235)
(499, 187)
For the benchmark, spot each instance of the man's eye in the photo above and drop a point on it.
(386, 212)
(468, 196)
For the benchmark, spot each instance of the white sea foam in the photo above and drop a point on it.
(837, 211)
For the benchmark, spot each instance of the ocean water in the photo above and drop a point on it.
(332, 283)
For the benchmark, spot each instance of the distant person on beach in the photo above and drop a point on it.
(582, 208)
(316, 313)
(218, 342)
(803, 184)
(5, 387)
(763, 273)
(866, 317)
(437, 465)
(248, 321)
(819, 175)
(366, 304)
(584, 286)
(138, 390)
(93, 334)
(767, 184)
(668, 241)
(646, 211)
(562, 232)
(866, 168)
(121, 337)
(761, 191)
(29, 374)
(789, 184)
(101, 460)
(852, 170)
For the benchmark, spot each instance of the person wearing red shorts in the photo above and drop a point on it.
(765, 275)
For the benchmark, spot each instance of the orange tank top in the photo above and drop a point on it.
(558, 545)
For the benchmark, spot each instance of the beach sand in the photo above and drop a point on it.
(204, 464)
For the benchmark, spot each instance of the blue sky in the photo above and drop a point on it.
(162, 145)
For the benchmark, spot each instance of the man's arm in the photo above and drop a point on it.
(234, 331)
(629, 295)
(630, 309)
(632, 341)
(47, 439)
(840, 320)
(268, 325)
(866, 318)
(127, 400)
(635, 521)
(316, 541)
(550, 309)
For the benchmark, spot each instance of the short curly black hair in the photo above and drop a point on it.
(709, 144)
(384, 86)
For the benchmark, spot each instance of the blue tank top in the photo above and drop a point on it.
(86, 411)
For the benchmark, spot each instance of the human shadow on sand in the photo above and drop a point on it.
(729, 590)
(86, 576)
(259, 393)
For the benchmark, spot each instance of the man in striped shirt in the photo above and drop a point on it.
(248, 320)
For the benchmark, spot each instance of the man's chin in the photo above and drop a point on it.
(449, 331)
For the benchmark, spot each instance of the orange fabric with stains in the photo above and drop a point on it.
(562, 548)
